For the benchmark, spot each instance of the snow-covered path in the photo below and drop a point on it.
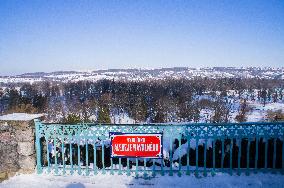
(114, 181)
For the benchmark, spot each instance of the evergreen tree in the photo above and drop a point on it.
(103, 115)
(72, 119)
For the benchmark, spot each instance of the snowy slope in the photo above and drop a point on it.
(147, 74)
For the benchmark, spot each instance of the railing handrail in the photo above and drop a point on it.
(172, 124)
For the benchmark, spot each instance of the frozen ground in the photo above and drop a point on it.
(114, 181)
(259, 111)
(20, 117)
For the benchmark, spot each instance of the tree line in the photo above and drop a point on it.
(158, 101)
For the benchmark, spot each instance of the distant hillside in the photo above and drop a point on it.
(148, 74)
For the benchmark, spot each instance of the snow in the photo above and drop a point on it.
(20, 117)
(147, 74)
(122, 118)
(219, 180)
(182, 150)
(259, 111)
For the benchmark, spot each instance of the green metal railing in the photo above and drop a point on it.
(187, 148)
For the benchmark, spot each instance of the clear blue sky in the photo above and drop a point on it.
(80, 35)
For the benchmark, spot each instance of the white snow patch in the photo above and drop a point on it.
(20, 117)
(107, 180)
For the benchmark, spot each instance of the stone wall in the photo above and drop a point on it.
(17, 148)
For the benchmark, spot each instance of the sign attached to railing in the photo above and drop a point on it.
(148, 145)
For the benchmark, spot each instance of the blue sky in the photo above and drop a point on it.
(83, 35)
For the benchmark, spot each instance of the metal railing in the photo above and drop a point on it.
(187, 148)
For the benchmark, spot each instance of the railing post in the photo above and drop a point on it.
(136, 167)
(87, 158)
(248, 156)
(103, 157)
(162, 167)
(47, 154)
(256, 153)
(205, 151)
(38, 148)
(239, 155)
(145, 173)
(282, 171)
(95, 159)
(171, 154)
(55, 151)
(79, 157)
(128, 167)
(274, 152)
(222, 155)
(179, 167)
(63, 155)
(119, 167)
(266, 154)
(71, 157)
(154, 168)
(188, 155)
(214, 156)
(111, 166)
(196, 156)
(231, 156)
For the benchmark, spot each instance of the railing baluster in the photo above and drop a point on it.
(256, 154)
(196, 157)
(154, 168)
(38, 147)
(231, 156)
(63, 155)
(248, 156)
(103, 157)
(274, 153)
(47, 154)
(119, 168)
(145, 174)
(205, 151)
(188, 153)
(282, 154)
(222, 156)
(79, 157)
(55, 151)
(214, 157)
(239, 155)
(71, 157)
(136, 167)
(179, 166)
(87, 158)
(95, 168)
(111, 166)
(162, 167)
(171, 155)
(266, 153)
(128, 168)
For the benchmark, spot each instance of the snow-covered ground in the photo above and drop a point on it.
(20, 117)
(147, 74)
(259, 112)
(218, 181)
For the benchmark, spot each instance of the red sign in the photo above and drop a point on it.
(148, 145)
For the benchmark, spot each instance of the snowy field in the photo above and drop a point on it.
(218, 181)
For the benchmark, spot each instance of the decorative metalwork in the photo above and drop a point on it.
(79, 148)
